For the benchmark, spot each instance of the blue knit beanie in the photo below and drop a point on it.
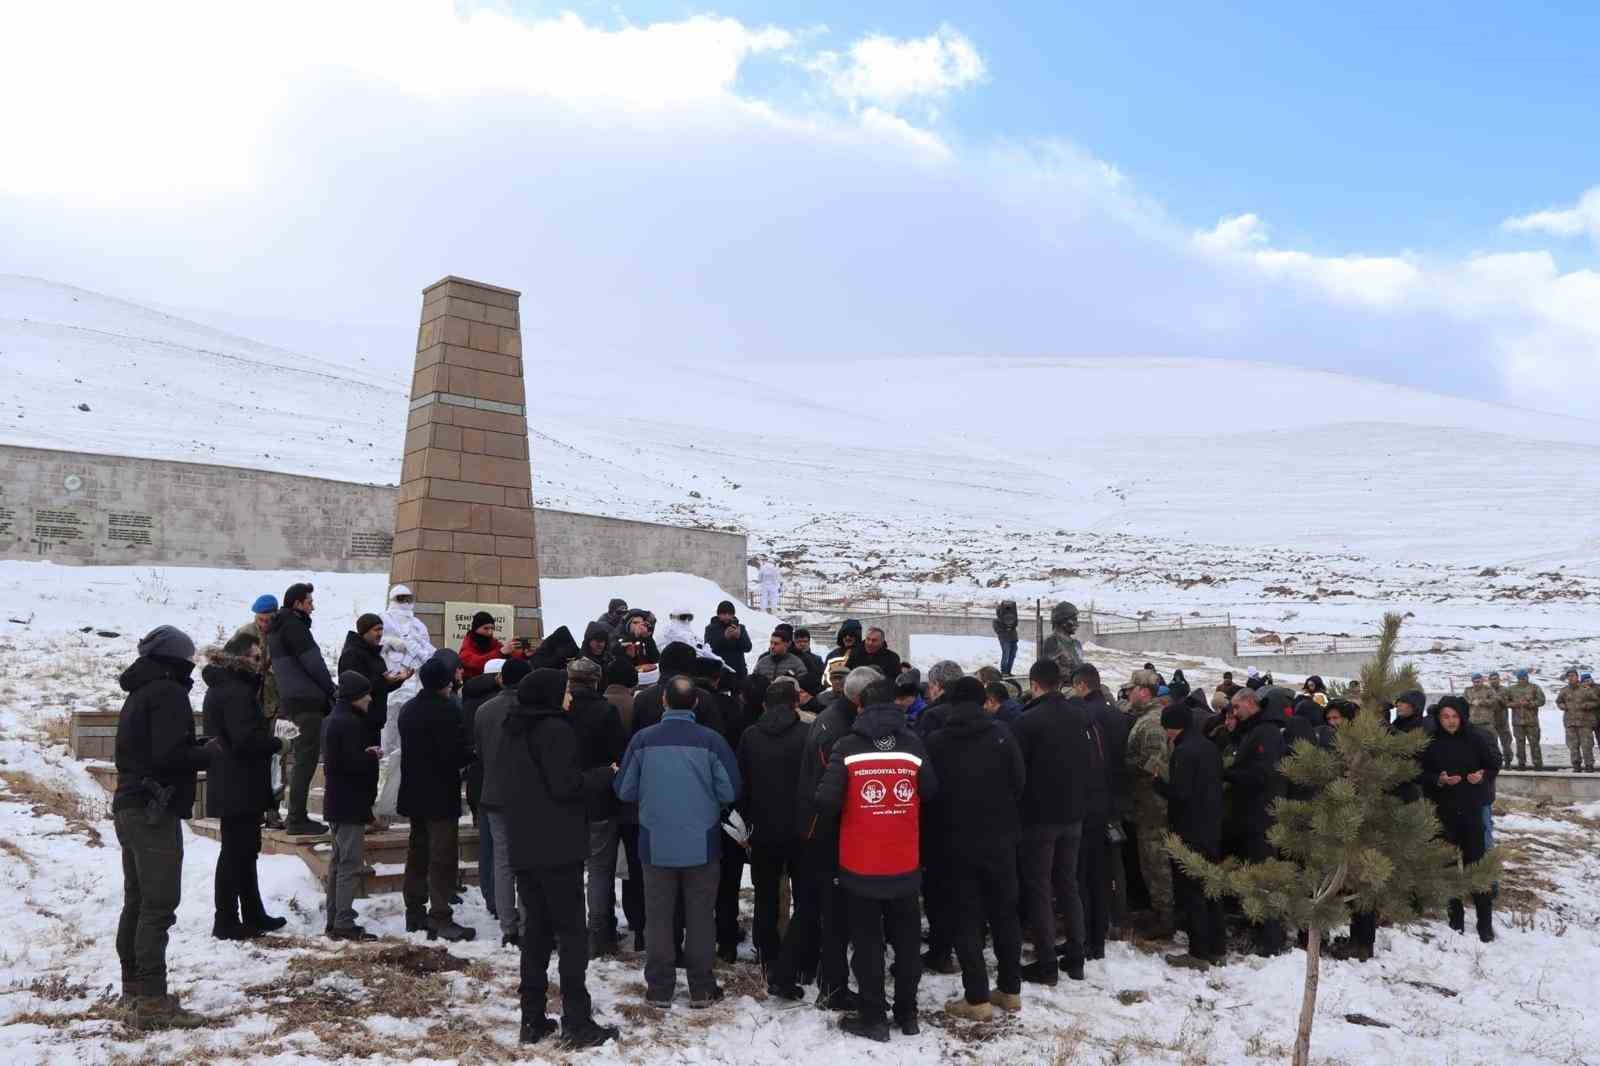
(265, 604)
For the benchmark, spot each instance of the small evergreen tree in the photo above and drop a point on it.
(1355, 846)
(1381, 680)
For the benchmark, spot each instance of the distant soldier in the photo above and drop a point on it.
(1579, 703)
(1502, 717)
(1487, 709)
(1525, 699)
(1062, 646)
(1149, 754)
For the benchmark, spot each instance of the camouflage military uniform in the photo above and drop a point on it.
(1525, 698)
(1488, 712)
(1149, 754)
(1579, 703)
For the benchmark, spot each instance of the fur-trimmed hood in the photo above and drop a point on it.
(215, 656)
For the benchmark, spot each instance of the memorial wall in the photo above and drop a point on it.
(74, 507)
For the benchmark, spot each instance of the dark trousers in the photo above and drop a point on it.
(1008, 656)
(485, 861)
(1094, 887)
(555, 908)
(307, 716)
(1116, 881)
(833, 923)
(729, 880)
(238, 892)
(633, 887)
(432, 855)
(152, 878)
(1050, 862)
(1364, 929)
(768, 864)
(870, 920)
(984, 893)
(937, 902)
(664, 887)
(1268, 935)
(1201, 917)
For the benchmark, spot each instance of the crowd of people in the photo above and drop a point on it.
(865, 798)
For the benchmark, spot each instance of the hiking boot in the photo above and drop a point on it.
(306, 828)
(866, 1028)
(162, 1012)
(1035, 974)
(1188, 961)
(907, 1022)
(416, 921)
(940, 962)
(661, 1002)
(354, 932)
(707, 999)
(229, 929)
(1521, 765)
(602, 945)
(511, 940)
(450, 931)
(969, 1012)
(1010, 1002)
(728, 953)
(791, 993)
(536, 1030)
(266, 923)
(587, 1033)
(838, 999)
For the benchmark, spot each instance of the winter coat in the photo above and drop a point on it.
(546, 789)
(729, 650)
(932, 717)
(297, 662)
(770, 666)
(597, 632)
(488, 731)
(811, 823)
(1053, 735)
(673, 631)
(979, 764)
(877, 779)
(1005, 622)
(850, 627)
(406, 646)
(349, 774)
(769, 768)
(1194, 793)
(476, 655)
(239, 780)
(1467, 750)
(1254, 775)
(269, 684)
(681, 775)
(155, 735)
(601, 743)
(368, 661)
(650, 653)
(433, 751)
(883, 660)
(1410, 791)
(648, 709)
(474, 694)
(1114, 736)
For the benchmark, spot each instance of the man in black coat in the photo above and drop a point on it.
(769, 756)
(305, 691)
(350, 784)
(812, 682)
(433, 751)
(1053, 734)
(1193, 791)
(363, 653)
(1099, 864)
(157, 759)
(1459, 768)
(238, 784)
(601, 742)
(875, 652)
(1257, 785)
(978, 819)
(547, 793)
(727, 636)
(597, 643)
(679, 659)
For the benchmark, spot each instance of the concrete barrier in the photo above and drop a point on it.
(1216, 642)
(1343, 664)
(110, 510)
(1536, 784)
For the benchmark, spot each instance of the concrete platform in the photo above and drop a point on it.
(1549, 784)
(384, 853)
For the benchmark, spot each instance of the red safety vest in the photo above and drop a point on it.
(879, 827)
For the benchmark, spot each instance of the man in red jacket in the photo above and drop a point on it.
(877, 780)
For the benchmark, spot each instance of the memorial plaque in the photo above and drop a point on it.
(132, 529)
(371, 544)
(458, 621)
(10, 526)
(62, 526)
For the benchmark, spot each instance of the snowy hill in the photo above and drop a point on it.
(1139, 483)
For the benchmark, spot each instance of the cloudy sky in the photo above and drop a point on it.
(1408, 195)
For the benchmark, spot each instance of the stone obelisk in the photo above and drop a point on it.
(463, 529)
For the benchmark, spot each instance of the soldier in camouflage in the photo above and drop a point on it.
(1502, 716)
(1579, 704)
(1487, 708)
(1525, 698)
(1061, 645)
(1148, 754)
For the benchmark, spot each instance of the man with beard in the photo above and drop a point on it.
(305, 690)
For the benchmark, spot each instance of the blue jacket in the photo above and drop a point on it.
(681, 775)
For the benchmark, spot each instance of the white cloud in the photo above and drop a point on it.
(1582, 217)
(892, 72)
(1375, 281)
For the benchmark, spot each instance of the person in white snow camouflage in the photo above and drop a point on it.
(771, 584)
(406, 646)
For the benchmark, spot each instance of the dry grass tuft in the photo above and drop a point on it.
(79, 812)
(11, 848)
(57, 730)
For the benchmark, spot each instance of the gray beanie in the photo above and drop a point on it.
(167, 642)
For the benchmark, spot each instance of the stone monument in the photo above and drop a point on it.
(463, 529)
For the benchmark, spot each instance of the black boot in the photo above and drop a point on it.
(586, 1033)
(866, 1028)
(536, 1029)
(1484, 903)
(1458, 920)
(416, 921)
